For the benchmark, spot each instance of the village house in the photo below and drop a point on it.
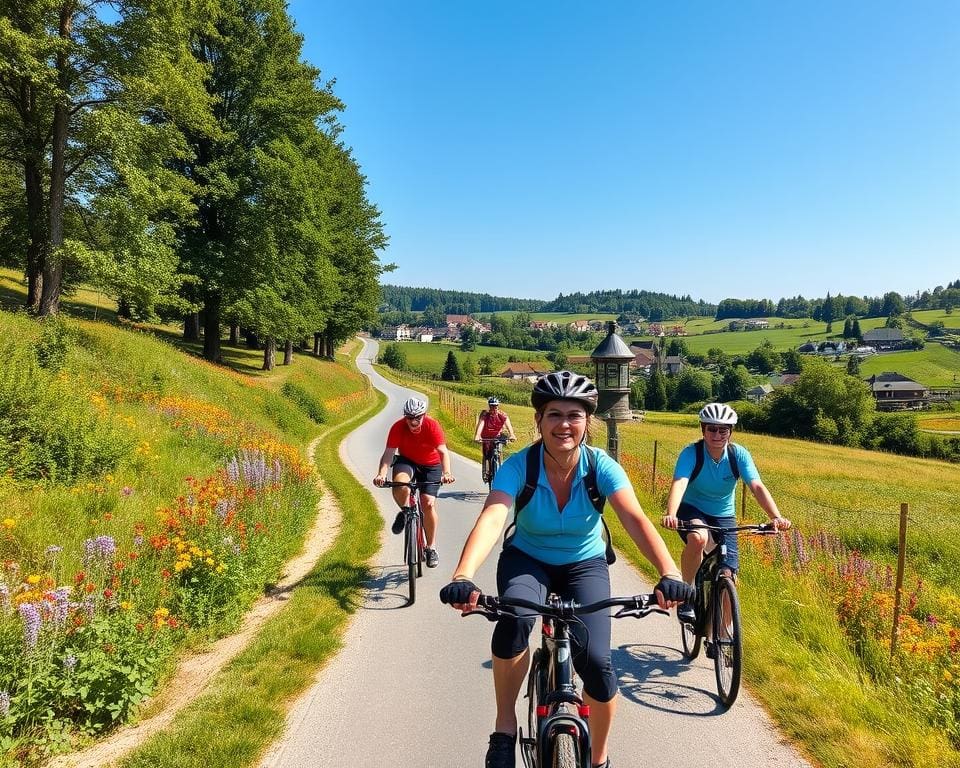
(894, 392)
(752, 324)
(757, 393)
(524, 371)
(673, 364)
(884, 339)
(396, 332)
(580, 326)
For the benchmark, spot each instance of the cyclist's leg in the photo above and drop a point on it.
(518, 575)
(588, 582)
(695, 543)
(403, 472)
(430, 477)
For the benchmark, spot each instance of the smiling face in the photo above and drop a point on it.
(414, 423)
(715, 436)
(562, 424)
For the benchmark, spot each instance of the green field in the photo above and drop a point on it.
(928, 316)
(429, 358)
(933, 366)
(560, 318)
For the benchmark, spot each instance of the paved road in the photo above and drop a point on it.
(412, 686)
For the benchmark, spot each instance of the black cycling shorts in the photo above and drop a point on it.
(428, 474)
(588, 581)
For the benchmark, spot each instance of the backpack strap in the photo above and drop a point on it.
(698, 461)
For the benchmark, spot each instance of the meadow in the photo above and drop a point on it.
(934, 366)
(429, 358)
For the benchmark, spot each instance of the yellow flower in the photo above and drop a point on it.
(126, 605)
(9, 522)
(33, 579)
(210, 561)
(161, 613)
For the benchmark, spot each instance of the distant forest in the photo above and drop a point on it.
(659, 306)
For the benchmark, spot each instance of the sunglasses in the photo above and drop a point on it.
(715, 429)
(413, 418)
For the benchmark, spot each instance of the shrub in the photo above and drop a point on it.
(306, 401)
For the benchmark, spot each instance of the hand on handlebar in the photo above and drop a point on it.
(780, 524)
(671, 591)
(670, 521)
(461, 594)
(379, 480)
(446, 478)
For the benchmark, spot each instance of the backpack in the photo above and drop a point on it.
(698, 462)
(590, 482)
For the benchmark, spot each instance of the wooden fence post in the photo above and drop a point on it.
(901, 559)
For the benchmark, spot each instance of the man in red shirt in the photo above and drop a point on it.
(417, 450)
(491, 423)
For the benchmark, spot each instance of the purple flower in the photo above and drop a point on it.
(31, 624)
(100, 549)
(61, 605)
(4, 598)
(52, 551)
(126, 490)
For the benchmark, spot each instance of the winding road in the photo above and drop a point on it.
(412, 686)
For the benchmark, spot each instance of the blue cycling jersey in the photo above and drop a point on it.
(712, 492)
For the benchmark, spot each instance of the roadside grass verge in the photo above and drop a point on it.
(829, 684)
(244, 711)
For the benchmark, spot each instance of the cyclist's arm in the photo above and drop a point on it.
(444, 460)
(385, 461)
(768, 505)
(485, 533)
(509, 427)
(677, 489)
(479, 429)
(642, 531)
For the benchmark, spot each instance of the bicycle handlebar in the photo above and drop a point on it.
(498, 439)
(492, 607)
(763, 529)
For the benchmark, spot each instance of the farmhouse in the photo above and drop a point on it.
(673, 364)
(884, 338)
(759, 392)
(527, 371)
(895, 392)
(396, 332)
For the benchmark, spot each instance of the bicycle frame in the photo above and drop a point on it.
(560, 712)
(495, 459)
(414, 537)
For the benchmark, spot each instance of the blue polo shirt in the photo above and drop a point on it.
(712, 492)
(543, 531)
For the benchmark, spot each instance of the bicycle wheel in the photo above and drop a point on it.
(728, 641)
(565, 751)
(494, 466)
(411, 555)
(536, 692)
(690, 640)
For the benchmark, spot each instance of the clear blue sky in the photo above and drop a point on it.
(717, 149)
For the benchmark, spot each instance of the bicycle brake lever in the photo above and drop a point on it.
(487, 613)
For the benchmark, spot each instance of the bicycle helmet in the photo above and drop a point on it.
(492, 401)
(718, 413)
(414, 407)
(565, 385)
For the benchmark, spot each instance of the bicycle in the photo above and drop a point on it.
(558, 734)
(717, 610)
(496, 456)
(414, 538)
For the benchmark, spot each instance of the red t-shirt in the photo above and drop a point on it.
(420, 447)
(492, 423)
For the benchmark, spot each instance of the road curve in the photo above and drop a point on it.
(412, 686)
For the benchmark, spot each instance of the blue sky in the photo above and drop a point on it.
(716, 149)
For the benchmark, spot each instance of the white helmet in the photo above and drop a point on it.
(718, 413)
(414, 407)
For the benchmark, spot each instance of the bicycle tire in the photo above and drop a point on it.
(536, 691)
(565, 751)
(494, 466)
(690, 641)
(728, 641)
(411, 552)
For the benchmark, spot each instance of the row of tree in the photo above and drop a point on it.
(181, 156)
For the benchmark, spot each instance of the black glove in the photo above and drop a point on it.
(676, 589)
(458, 592)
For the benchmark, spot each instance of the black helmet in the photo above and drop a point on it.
(565, 385)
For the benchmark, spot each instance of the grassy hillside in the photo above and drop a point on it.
(148, 498)
(429, 358)
(935, 365)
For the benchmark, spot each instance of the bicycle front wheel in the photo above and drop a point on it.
(494, 466)
(565, 751)
(690, 640)
(412, 556)
(728, 641)
(536, 692)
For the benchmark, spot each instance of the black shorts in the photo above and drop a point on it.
(588, 581)
(688, 512)
(427, 474)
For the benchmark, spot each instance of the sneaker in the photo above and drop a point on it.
(502, 751)
(433, 559)
(710, 649)
(686, 614)
(604, 764)
(398, 521)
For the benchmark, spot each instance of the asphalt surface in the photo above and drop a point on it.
(412, 686)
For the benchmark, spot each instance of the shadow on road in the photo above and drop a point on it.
(649, 675)
(386, 590)
(464, 495)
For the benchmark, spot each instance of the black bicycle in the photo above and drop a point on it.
(496, 456)
(558, 734)
(414, 538)
(717, 610)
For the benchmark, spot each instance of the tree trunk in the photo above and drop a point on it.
(328, 346)
(211, 327)
(124, 310)
(269, 353)
(37, 232)
(252, 341)
(287, 352)
(234, 335)
(191, 327)
(317, 343)
(53, 258)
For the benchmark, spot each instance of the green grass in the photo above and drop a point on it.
(933, 366)
(429, 358)
(929, 316)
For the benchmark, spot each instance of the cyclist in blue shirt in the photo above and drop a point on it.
(709, 497)
(557, 547)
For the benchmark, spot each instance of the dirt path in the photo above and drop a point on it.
(196, 671)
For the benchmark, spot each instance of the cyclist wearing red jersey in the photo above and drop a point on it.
(491, 423)
(417, 450)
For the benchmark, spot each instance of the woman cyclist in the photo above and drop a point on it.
(709, 497)
(558, 547)
(421, 454)
(491, 423)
